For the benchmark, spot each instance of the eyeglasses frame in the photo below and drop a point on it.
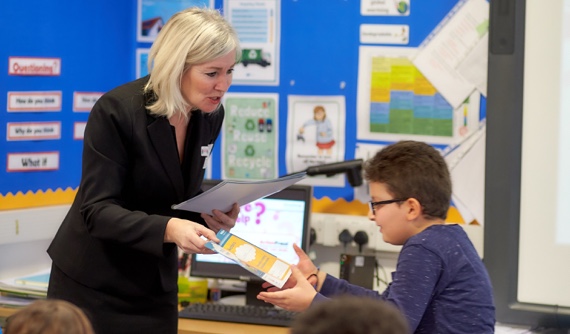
(371, 204)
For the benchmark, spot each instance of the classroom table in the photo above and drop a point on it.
(190, 326)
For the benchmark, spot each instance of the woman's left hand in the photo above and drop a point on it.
(222, 221)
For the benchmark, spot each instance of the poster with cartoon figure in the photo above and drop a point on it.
(250, 136)
(315, 136)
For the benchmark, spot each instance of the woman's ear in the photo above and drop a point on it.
(414, 208)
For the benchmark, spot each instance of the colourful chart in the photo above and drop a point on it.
(403, 101)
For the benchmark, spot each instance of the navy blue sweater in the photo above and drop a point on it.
(440, 284)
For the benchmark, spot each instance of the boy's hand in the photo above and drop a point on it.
(305, 266)
(297, 298)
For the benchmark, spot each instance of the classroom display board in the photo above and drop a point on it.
(317, 84)
(57, 59)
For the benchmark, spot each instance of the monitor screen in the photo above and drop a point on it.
(273, 223)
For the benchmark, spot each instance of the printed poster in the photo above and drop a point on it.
(316, 136)
(395, 102)
(444, 53)
(142, 63)
(250, 136)
(153, 15)
(257, 24)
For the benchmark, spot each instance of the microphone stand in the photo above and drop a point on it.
(352, 169)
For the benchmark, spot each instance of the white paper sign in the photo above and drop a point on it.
(385, 8)
(34, 66)
(33, 131)
(79, 130)
(84, 101)
(384, 34)
(22, 162)
(34, 101)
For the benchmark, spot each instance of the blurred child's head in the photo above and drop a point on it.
(350, 315)
(412, 169)
(49, 316)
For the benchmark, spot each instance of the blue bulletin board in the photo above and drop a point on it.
(93, 41)
(96, 44)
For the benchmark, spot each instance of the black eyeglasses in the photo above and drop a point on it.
(371, 204)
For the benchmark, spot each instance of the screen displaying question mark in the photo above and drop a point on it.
(261, 209)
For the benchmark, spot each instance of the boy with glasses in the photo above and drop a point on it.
(440, 283)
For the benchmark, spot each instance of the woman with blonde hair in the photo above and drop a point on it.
(145, 148)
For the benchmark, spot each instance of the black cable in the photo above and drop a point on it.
(384, 281)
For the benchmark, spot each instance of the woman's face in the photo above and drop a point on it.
(203, 85)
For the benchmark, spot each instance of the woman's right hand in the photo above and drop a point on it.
(189, 236)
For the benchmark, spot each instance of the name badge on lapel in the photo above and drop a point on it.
(206, 151)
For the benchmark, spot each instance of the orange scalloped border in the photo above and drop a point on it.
(323, 205)
(357, 208)
(40, 198)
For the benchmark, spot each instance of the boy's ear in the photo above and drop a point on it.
(414, 208)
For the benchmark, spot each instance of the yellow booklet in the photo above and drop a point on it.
(256, 260)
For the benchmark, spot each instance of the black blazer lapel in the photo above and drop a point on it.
(161, 136)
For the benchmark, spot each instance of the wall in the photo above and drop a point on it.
(20, 259)
(96, 42)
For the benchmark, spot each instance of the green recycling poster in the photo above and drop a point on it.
(250, 136)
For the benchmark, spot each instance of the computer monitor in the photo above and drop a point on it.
(273, 223)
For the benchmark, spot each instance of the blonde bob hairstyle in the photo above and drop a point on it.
(192, 36)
